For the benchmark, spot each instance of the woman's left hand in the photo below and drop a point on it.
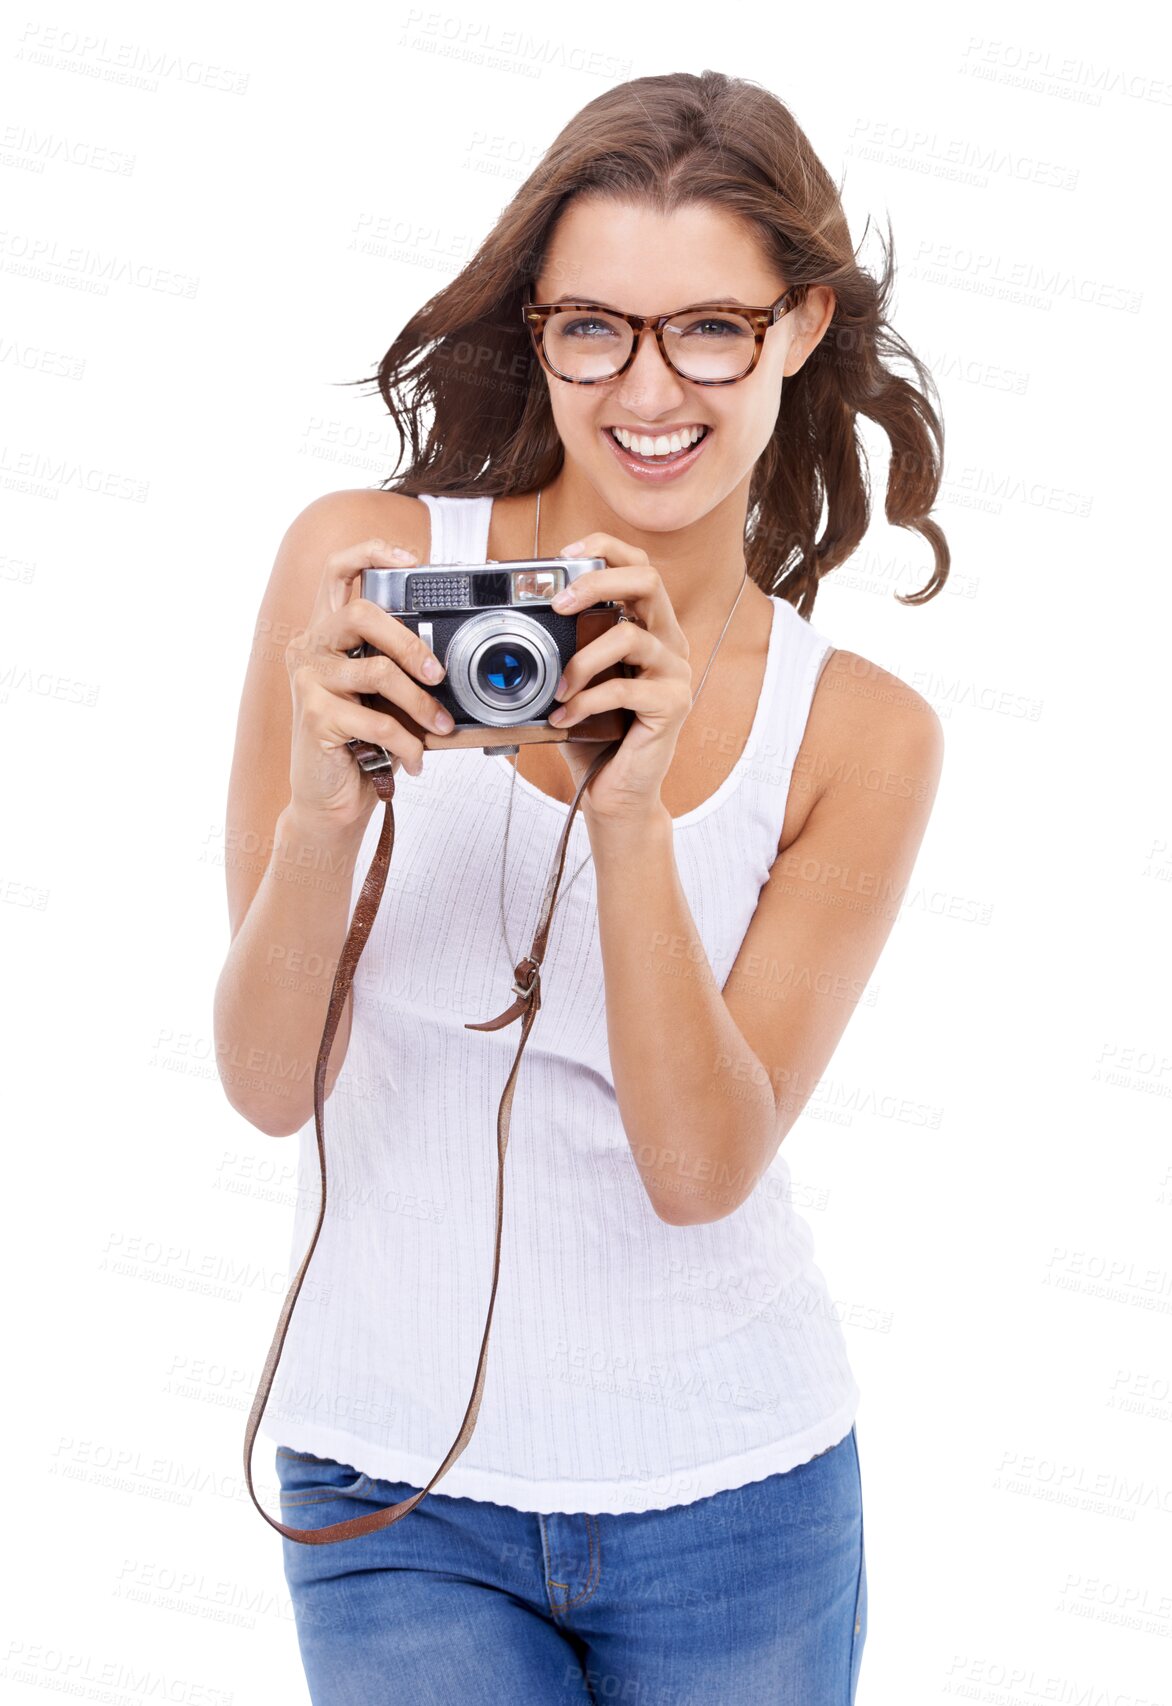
(629, 783)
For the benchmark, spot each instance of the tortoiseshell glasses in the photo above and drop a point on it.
(709, 343)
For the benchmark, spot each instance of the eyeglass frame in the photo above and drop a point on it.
(536, 316)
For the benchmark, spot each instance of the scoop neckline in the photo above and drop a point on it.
(731, 782)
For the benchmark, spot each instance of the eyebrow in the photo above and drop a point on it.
(596, 302)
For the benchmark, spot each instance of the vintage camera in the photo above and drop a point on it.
(502, 645)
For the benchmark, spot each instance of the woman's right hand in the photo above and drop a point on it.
(326, 781)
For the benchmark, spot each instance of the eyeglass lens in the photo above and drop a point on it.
(595, 345)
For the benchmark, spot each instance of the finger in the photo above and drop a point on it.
(636, 584)
(651, 698)
(616, 551)
(380, 675)
(343, 568)
(362, 622)
(622, 641)
(331, 721)
(620, 580)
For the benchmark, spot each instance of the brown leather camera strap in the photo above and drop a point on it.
(526, 1002)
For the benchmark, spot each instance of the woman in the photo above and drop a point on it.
(662, 1497)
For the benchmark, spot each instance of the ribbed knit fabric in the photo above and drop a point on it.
(633, 1365)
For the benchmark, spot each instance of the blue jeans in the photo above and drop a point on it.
(755, 1595)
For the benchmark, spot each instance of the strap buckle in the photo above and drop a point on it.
(527, 989)
(369, 756)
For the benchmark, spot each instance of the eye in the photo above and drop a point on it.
(580, 328)
(717, 328)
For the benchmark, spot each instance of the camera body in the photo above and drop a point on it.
(502, 645)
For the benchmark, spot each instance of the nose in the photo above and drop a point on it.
(650, 386)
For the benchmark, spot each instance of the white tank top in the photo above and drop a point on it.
(632, 1365)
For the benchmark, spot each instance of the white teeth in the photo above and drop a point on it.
(662, 446)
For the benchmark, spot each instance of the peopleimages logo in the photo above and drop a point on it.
(993, 275)
(1043, 72)
(124, 62)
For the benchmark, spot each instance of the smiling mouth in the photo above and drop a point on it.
(660, 447)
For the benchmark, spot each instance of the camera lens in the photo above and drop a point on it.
(505, 669)
(502, 667)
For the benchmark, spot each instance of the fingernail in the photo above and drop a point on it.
(398, 555)
(560, 689)
(556, 715)
(564, 599)
(433, 669)
(444, 722)
(574, 550)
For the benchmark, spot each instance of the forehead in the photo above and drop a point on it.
(647, 262)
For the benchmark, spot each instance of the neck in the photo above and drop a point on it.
(702, 564)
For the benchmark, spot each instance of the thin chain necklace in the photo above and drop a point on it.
(513, 783)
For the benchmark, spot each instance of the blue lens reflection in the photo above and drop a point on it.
(505, 669)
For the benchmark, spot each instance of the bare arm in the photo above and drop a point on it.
(274, 989)
(710, 1081)
(290, 855)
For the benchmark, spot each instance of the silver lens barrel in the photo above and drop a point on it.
(469, 677)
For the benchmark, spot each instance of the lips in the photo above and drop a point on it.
(655, 471)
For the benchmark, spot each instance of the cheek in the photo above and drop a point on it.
(757, 420)
(746, 431)
(571, 409)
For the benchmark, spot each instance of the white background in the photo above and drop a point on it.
(988, 1152)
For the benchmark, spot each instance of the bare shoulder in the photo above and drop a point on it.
(868, 730)
(339, 518)
(856, 696)
(333, 522)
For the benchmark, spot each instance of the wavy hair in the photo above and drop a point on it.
(465, 389)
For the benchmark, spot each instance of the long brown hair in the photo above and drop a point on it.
(666, 142)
